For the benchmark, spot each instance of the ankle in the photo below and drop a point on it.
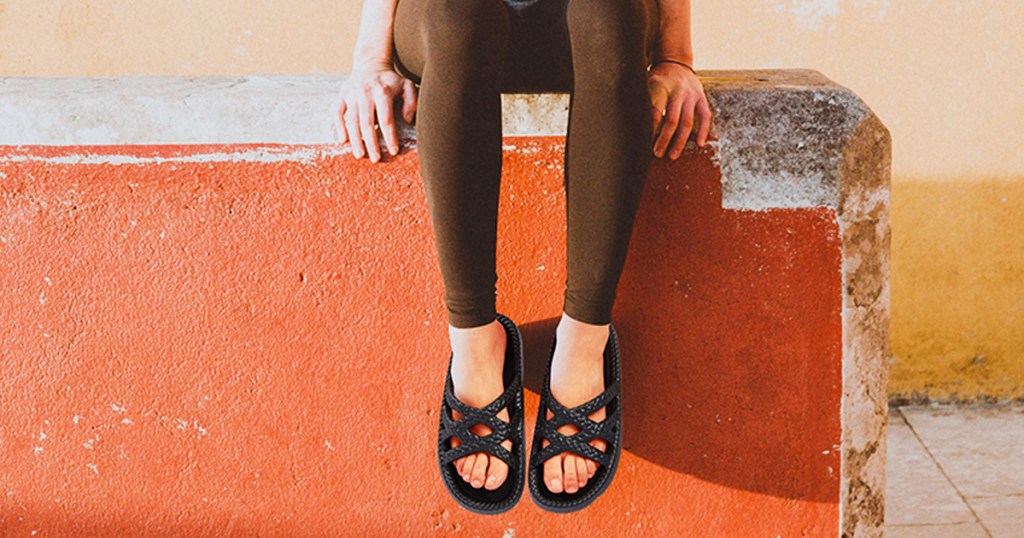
(580, 342)
(478, 347)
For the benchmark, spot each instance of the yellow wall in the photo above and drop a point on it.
(944, 76)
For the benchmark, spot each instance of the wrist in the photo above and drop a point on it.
(683, 64)
(371, 62)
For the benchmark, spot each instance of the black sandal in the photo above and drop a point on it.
(609, 429)
(485, 501)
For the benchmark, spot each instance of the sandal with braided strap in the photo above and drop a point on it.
(481, 500)
(609, 429)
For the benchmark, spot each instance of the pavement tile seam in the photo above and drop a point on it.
(935, 462)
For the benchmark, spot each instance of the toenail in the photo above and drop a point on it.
(492, 480)
(476, 483)
(556, 484)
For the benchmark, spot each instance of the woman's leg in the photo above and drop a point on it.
(608, 153)
(455, 50)
(608, 149)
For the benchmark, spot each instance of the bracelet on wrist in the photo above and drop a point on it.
(671, 60)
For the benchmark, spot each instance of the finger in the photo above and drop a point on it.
(352, 124)
(409, 103)
(367, 127)
(656, 118)
(705, 121)
(659, 94)
(385, 114)
(677, 144)
(341, 121)
(659, 100)
(669, 128)
(683, 133)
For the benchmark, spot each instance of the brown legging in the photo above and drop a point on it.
(463, 54)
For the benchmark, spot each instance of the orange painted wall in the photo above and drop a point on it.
(202, 342)
(944, 77)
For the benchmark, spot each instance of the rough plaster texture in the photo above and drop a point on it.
(168, 270)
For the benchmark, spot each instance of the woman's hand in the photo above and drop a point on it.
(370, 92)
(677, 94)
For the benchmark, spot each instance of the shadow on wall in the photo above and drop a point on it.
(731, 337)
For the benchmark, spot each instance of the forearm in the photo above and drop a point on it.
(674, 30)
(373, 46)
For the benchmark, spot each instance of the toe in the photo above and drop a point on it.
(479, 471)
(496, 472)
(569, 472)
(599, 444)
(553, 474)
(581, 471)
(467, 466)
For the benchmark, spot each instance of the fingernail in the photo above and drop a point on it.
(393, 151)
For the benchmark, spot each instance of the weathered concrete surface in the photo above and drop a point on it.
(780, 132)
(206, 323)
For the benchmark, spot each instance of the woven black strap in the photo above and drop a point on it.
(579, 416)
(471, 416)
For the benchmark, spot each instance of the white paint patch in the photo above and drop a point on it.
(117, 408)
(329, 445)
(809, 14)
(126, 421)
(94, 468)
(75, 419)
(261, 155)
(509, 533)
(38, 450)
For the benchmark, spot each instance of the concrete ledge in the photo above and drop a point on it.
(760, 262)
(781, 135)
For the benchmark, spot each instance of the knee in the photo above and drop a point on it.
(607, 26)
(467, 25)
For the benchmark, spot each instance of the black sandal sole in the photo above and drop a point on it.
(484, 501)
(611, 426)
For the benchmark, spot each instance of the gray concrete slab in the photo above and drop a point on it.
(981, 448)
(1003, 516)
(955, 530)
(916, 492)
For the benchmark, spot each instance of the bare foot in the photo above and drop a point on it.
(477, 375)
(577, 376)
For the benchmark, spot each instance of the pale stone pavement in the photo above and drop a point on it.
(955, 471)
